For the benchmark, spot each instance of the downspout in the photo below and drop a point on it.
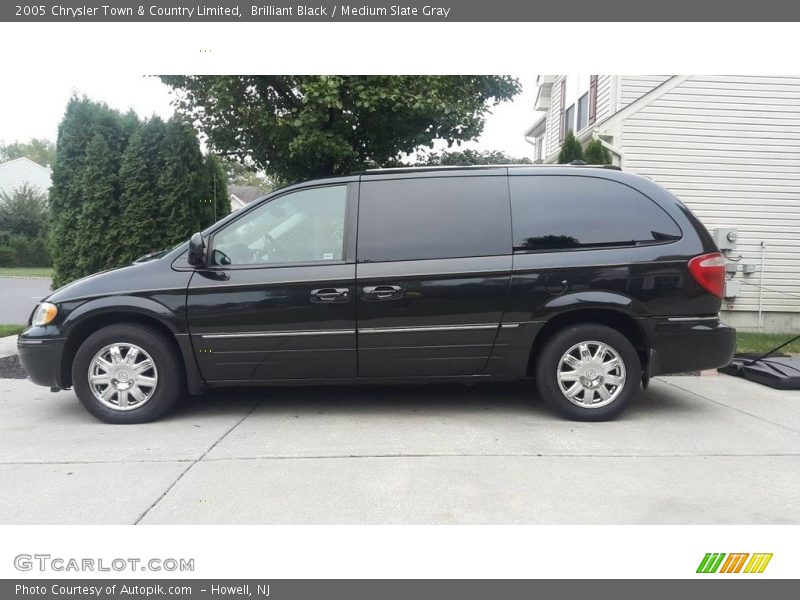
(761, 288)
(610, 147)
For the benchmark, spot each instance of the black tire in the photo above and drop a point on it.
(170, 375)
(548, 367)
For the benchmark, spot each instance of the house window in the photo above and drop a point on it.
(593, 79)
(583, 112)
(569, 119)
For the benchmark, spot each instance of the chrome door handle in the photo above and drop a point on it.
(382, 292)
(330, 295)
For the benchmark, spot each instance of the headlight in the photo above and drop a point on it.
(44, 314)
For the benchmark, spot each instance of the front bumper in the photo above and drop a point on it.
(41, 359)
(682, 344)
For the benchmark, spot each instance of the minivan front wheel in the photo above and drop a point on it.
(127, 374)
(588, 372)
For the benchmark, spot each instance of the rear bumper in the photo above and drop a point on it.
(41, 359)
(681, 344)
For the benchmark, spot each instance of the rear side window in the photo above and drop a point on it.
(554, 212)
(436, 217)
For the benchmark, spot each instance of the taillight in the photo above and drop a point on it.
(709, 271)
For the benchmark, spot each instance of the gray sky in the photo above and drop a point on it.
(37, 105)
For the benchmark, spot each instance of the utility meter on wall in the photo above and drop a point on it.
(725, 237)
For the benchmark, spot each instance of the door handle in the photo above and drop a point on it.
(382, 292)
(330, 295)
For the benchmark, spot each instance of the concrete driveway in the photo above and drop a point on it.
(691, 450)
(19, 296)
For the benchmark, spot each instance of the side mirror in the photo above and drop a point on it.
(197, 250)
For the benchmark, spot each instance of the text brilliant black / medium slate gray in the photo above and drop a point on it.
(589, 280)
(381, 10)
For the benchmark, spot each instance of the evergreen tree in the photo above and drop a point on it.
(98, 245)
(123, 188)
(597, 154)
(570, 149)
(182, 182)
(145, 224)
(70, 233)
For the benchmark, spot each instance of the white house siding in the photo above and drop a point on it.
(632, 87)
(14, 173)
(729, 147)
(552, 143)
(605, 95)
(553, 127)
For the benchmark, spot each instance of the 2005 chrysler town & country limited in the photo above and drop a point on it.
(588, 279)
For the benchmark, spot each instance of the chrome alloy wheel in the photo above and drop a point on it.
(122, 376)
(591, 374)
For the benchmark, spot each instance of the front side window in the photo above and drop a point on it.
(433, 217)
(553, 212)
(299, 227)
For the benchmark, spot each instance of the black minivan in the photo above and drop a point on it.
(588, 279)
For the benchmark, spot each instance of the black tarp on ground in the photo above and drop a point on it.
(779, 372)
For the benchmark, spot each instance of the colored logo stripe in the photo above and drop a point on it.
(734, 563)
(710, 562)
(713, 562)
(758, 563)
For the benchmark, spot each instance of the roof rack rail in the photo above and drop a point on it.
(414, 168)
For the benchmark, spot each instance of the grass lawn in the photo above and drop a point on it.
(26, 272)
(763, 342)
(11, 329)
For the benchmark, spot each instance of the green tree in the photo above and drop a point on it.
(123, 188)
(141, 202)
(40, 151)
(570, 149)
(597, 154)
(471, 157)
(238, 173)
(182, 182)
(23, 211)
(216, 189)
(100, 242)
(23, 228)
(300, 127)
(72, 243)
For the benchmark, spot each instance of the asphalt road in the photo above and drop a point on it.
(697, 450)
(19, 296)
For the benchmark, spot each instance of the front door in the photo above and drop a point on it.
(277, 299)
(434, 264)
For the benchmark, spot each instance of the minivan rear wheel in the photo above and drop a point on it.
(588, 372)
(127, 373)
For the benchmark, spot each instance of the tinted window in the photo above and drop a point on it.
(436, 217)
(302, 226)
(562, 212)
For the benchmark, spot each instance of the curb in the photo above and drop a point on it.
(8, 346)
(39, 277)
